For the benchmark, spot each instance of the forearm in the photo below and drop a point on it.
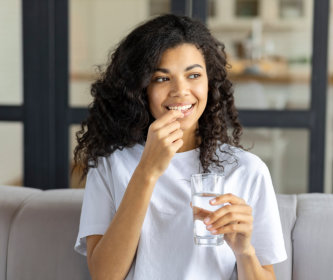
(113, 255)
(249, 267)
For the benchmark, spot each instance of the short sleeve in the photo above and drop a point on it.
(98, 206)
(267, 235)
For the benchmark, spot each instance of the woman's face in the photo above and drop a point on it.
(180, 82)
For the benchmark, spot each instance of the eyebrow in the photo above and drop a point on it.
(164, 70)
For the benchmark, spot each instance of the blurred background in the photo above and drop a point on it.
(280, 52)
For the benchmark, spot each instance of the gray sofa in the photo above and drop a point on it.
(38, 230)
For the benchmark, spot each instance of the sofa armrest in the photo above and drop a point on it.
(11, 201)
(42, 237)
(312, 237)
(287, 209)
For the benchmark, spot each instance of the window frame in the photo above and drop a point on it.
(47, 117)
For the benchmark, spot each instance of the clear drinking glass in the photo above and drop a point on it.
(205, 187)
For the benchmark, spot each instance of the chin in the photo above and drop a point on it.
(187, 126)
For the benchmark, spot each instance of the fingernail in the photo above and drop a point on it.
(210, 226)
(206, 220)
(213, 201)
(214, 231)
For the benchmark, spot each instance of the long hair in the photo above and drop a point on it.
(119, 115)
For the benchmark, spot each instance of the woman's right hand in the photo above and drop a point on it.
(164, 139)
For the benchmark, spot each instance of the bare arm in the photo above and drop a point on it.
(114, 253)
(249, 268)
(111, 256)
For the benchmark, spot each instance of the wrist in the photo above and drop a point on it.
(146, 174)
(246, 253)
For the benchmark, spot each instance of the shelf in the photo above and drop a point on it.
(246, 25)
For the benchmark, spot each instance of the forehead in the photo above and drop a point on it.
(182, 54)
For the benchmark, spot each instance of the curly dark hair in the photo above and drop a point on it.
(124, 81)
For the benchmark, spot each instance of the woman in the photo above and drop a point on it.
(161, 112)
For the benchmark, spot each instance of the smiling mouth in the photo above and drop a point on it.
(180, 108)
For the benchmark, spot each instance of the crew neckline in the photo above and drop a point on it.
(188, 153)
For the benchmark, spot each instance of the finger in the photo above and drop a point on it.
(230, 218)
(227, 198)
(167, 118)
(242, 228)
(227, 210)
(176, 145)
(174, 136)
(200, 213)
(168, 129)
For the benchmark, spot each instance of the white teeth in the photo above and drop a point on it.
(180, 108)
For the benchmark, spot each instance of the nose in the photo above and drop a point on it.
(179, 88)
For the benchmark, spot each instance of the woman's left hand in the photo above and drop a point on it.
(235, 221)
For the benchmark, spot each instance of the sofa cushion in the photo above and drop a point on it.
(11, 199)
(313, 247)
(42, 238)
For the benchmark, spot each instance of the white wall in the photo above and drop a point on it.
(96, 27)
(11, 133)
(10, 52)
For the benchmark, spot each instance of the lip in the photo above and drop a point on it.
(179, 104)
(187, 112)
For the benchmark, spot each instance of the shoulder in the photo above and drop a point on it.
(237, 158)
(123, 162)
(248, 176)
(122, 154)
(114, 170)
(126, 156)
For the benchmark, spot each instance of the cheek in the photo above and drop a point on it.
(154, 102)
(202, 93)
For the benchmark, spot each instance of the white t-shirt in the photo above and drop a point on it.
(166, 249)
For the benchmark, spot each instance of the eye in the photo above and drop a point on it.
(160, 79)
(194, 76)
